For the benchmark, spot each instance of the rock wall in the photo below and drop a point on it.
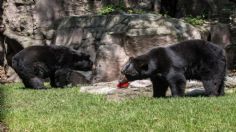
(112, 39)
(109, 39)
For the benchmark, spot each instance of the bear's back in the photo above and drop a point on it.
(197, 50)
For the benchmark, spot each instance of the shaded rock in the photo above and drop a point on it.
(220, 34)
(205, 30)
(231, 56)
(114, 38)
(233, 29)
(208, 8)
(168, 7)
(1, 51)
(10, 47)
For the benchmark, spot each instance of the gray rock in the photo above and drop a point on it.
(97, 90)
(140, 84)
(220, 34)
(230, 82)
(231, 56)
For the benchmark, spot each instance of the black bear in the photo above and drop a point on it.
(35, 63)
(173, 65)
(64, 77)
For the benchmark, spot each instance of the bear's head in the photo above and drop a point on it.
(81, 61)
(67, 77)
(62, 77)
(137, 68)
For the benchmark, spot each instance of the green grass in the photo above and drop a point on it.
(68, 110)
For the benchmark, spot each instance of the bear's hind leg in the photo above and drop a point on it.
(221, 90)
(31, 81)
(36, 83)
(160, 86)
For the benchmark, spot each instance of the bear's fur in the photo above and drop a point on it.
(173, 65)
(65, 77)
(35, 63)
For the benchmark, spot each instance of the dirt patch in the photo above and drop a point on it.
(129, 93)
(119, 94)
(3, 127)
(3, 76)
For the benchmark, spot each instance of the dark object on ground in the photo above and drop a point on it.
(64, 77)
(35, 63)
(173, 65)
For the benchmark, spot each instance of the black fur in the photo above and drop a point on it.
(64, 77)
(173, 65)
(35, 63)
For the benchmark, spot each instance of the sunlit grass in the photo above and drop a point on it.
(68, 110)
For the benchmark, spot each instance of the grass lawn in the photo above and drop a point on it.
(68, 110)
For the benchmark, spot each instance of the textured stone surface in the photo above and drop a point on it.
(97, 90)
(108, 39)
(111, 39)
(220, 34)
(140, 83)
(231, 56)
(208, 8)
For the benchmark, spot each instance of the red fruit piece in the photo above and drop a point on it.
(123, 85)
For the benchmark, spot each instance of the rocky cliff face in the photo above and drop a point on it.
(109, 39)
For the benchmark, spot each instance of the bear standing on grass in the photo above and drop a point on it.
(173, 65)
(35, 63)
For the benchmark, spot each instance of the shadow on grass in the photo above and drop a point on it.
(3, 127)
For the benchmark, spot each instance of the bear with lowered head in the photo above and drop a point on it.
(35, 63)
(171, 66)
(65, 77)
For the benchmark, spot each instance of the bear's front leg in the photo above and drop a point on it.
(212, 87)
(160, 86)
(177, 84)
(52, 80)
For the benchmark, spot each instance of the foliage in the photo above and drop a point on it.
(196, 21)
(135, 11)
(109, 9)
(68, 110)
